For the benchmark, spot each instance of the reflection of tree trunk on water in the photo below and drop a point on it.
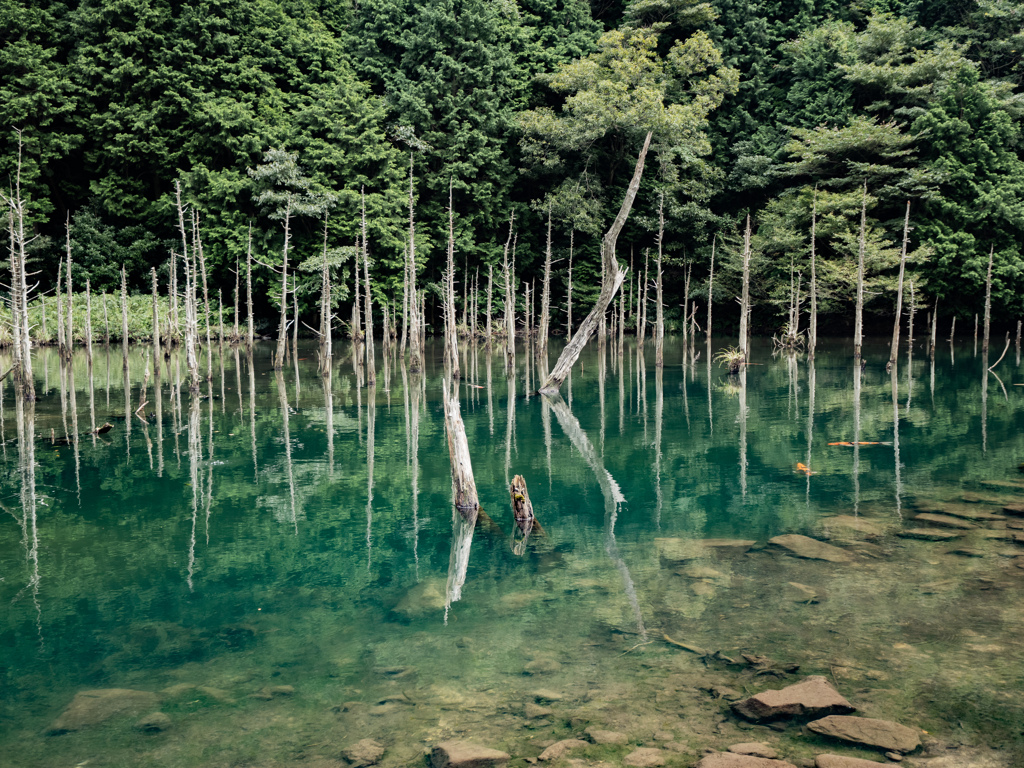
(413, 430)
(282, 394)
(743, 430)
(208, 501)
(659, 410)
(622, 396)
(984, 402)
(464, 495)
(176, 413)
(893, 374)
(856, 435)
(25, 414)
(252, 411)
(612, 498)
(812, 385)
(371, 421)
(127, 410)
(195, 455)
(327, 379)
(158, 394)
(510, 423)
(601, 373)
(490, 394)
(73, 405)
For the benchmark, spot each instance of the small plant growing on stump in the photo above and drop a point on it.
(732, 357)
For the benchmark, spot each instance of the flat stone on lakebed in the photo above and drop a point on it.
(944, 521)
(810, 549)
(732, 760)
(465, 754)
(868, 732)
(927, 534)
(812, 697)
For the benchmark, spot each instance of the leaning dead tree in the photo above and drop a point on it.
(612, 280)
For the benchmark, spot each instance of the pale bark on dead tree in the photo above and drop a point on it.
(463, 483)
(613, 278)
(659, 331)
(415, 356)
(812, 330)
(156, 325)
(988, 300)
(711, 286)
(69, 334)
(858, 320)
(248, 293)
(745, 295)
(895, 346)
(371, 365)
(545, 301)
(451, 338)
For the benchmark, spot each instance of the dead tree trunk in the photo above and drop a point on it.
(463, 484)
(156, 325)
(88, 322)
(415, 357)
(858, 320)
(659, 329)
(935, 327)
(124, 317)
(248, 293)
(510, 316)
(198, 248)
(371, 364)
(69, 334)
(988, 301)
(545, 301)
(522, 507)
(282, 328)
(614, 276)
(451, 337)
(745, 295)
(568, 290)
(711, 286)
(895, 347)
(325, 308)
(812, 331)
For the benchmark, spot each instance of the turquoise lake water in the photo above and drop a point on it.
(278, 559)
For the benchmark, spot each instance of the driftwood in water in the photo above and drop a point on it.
(52, 440)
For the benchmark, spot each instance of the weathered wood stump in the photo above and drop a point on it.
(522, 513)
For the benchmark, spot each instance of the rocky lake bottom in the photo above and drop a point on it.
(277, 595)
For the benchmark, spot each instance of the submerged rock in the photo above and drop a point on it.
(839, 524)
(90, 708)
(363, 753)
(598, 736)
(154, 722)
(546, 695)
(465, 754)
(927, 534)
(426, 597)
(813, 697)
(842, 761)
(801, 593)
(645, 757)
(810, 549)
(534, 711)
(944, 521)
(754, 749)
(868, 732)
(559, 748)
(732, 760)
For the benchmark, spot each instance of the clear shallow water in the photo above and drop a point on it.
(280, 532)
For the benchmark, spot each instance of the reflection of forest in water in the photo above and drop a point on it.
(287, 527)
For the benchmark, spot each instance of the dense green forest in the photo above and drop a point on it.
(771, 108)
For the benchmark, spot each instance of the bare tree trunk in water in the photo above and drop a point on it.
(545, 301)
(858, 320)
(988, 301)
(659, 331)
(69, 335)
(371, 365)
(711, 285)
(88, 323)
(415, 357)
(248, 293)
(745, 296)
(613, 278)
(935, 327)
(124, 317)
(490, 297)
(325, 309)
(568, 292)
(282, 328)
(156, 326)
(895, 347)
(510, 306)
(812, 331)
(463, 484)
(451, 337)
